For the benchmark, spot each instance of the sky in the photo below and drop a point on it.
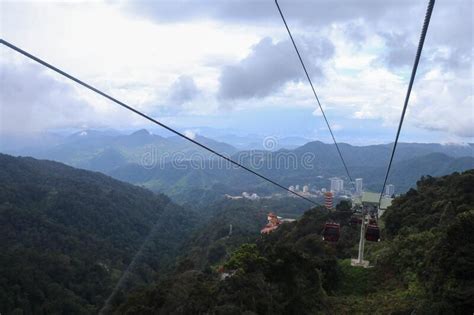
(229, 65)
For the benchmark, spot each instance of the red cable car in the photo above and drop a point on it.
(355, 220)
(331, 232)
(372, 233)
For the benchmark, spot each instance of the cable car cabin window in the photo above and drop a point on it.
(372, 233)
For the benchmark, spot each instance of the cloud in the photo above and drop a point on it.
(236, 52)
(190, 133)
(444, 104)
(314, 12)
(269, 66)
(182, 90)
(448, 42)
(400, 50)
(33, 101)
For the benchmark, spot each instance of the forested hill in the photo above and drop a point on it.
(431, 248)
(67, 235)
(424, 264)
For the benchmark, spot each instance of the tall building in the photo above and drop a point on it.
(358, 185)
(337, 184)
(297, 187)
(390, 190)
(305, 188)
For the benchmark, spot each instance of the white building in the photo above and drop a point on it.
(390, 190)
(337, 184)
(358, 184)
(253, 196)
(305, 188)
(297, 187)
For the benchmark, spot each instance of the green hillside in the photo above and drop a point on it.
(67, 236)
(423, 265)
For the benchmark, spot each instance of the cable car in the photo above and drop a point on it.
(372, 233)
(331, 232)
(355, 220)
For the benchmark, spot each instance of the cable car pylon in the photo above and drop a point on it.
(360, 262)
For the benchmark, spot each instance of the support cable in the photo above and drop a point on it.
(424, 30)
(314, 92)
(90, 87)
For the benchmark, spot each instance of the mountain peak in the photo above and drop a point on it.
(141, 132)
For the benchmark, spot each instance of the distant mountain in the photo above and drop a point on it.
(377, 155)
(404, 174)
(257, 142)
(104, 151)
(291, 167)
(68, 235)
(191, 174)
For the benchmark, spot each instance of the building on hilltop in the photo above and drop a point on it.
(274, 222)
(253, 196)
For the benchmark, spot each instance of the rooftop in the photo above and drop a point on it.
(372, 198)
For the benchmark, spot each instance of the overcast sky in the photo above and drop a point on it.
(230, 64)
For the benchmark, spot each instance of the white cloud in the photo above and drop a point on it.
(133, 59)
(270, 66)
(443, 102)
(189, 58)
(190, 134)
(31, 101)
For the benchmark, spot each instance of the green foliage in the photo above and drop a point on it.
(286, 272)
(448, 270)
(355, 281)
(246, 258)
(67, 235)
(344, 205)
(424, 263)
(430, 248)
(213, 242)
(435, 202)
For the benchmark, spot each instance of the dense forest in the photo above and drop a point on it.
(71, 239)
(68, 235)
(424, 264)
(79, 242)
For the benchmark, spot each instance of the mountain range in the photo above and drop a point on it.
(188, 173)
